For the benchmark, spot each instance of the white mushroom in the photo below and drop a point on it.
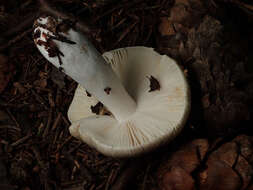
(145, 92)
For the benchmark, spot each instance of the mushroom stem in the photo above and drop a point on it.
(74, 54)
(98, 78)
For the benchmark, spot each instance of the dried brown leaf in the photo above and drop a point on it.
(166, 27)
(219, 176)
(177, 179)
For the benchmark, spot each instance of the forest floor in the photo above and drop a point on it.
(211, 40)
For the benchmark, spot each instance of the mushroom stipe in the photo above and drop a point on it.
(127, 114)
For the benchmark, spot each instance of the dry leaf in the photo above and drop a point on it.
(177, 179)
(219, 176)
(166, 27)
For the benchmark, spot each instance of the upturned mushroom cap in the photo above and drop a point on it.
(160, 90)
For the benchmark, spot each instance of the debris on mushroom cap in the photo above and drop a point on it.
(107, 90)
(159, 117)
(89, 106)
(96, 109)
(99, 109)
(154, 84)
(47, 30)
(88, 94)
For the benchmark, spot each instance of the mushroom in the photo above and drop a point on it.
(145, 93)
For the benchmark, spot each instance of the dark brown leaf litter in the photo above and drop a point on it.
(58, 77)
(214, 49)
(208, 49)
(204, 168)
(6, 71)
(217, 70)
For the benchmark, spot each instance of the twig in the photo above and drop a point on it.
(43, 166)
(109, 180)
(56, 122)
(150, 30)
(92, 187)
(247, 8)
(3, 142)
(20, 141)
(74, 148)
(13, 118)
(15, 98)
(147, 8)
(48, 123)
(101, 186)
(10, 127)
(40, 99)
(68, 183)
(79, 25)
(123, 35)
(118, 24)
(145, 178)
(56, 134)
(129, 4)
(65, 120)
(65, 142)
(50, 99)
